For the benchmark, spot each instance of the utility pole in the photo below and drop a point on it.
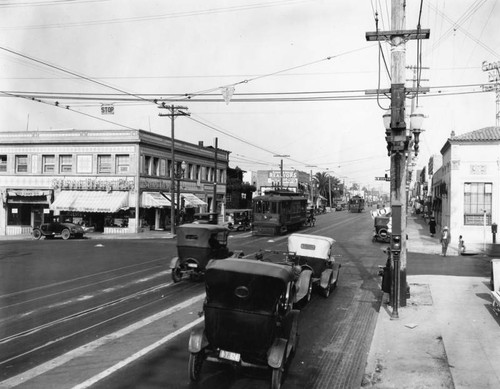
(174, 112)
(281, 167)
(494, 78)
(214, 202)
(398, 140)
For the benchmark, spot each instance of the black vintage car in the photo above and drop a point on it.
(249, 320)
(52, 229)
(196, 245)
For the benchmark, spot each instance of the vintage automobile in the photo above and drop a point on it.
(55, 228)
(239, 219)
(381, 229)
(313, 253)
(196, 245)
(249, 319)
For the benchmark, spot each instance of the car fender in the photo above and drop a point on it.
(325, 277)
(237, 254)
(197, 340)
(302, 284)
(276, 353)
(173, 262)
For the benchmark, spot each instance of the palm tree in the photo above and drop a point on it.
(323, 180)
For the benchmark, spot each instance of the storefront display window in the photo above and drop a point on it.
(19, 215)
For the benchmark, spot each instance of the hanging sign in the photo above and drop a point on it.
(107, 109)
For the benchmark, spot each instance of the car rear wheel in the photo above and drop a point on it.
(195, 364)
(176, 273)
(37, 234)
(65, 234)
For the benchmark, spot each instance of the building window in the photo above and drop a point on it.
(65, 163)
(48, 164)
(147, 165)
(21, 163)
(163, 168)
(20, 215)
(477, 201)
(155, 167)
(3, 163)
(104, 164)
(122, 163)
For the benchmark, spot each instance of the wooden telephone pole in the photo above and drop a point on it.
(174, 112)
(398, 140)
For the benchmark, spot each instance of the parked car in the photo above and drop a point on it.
(52, 229)
(249, 318)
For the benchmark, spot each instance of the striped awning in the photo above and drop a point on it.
(154, 200)
(192, 200)
(90, 201)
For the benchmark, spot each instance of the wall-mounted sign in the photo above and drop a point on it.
(92, 184)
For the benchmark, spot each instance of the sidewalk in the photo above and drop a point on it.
(446, 337)
(149, 234)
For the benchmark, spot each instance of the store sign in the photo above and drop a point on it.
(289, 178)
(92, 184)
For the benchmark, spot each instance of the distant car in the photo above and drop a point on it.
(63, 229)
(340, 206)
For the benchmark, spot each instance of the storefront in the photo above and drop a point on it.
(26, 208)
(155, 209)
(103, 211)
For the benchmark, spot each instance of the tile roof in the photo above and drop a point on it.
(483, 134)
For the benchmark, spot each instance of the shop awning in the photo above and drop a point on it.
(28, 196)
(154, 200)
(192, 200)
(88, 201)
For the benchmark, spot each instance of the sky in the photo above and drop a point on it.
(303, 74)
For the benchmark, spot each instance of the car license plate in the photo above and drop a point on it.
(235, 357)
(192, 265)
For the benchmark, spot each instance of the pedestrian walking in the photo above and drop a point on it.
(432, 226)
(461, 245)
(445, 240)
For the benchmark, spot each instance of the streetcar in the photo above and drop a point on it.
(356, 204)
(278, 212)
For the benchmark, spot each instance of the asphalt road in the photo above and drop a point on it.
(58, 299)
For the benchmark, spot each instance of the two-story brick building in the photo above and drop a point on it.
(114, 180)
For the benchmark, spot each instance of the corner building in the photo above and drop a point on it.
(115, 181)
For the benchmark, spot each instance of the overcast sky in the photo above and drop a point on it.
(271, 51)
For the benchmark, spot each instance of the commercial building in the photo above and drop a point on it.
(116, 181)
(466, 188)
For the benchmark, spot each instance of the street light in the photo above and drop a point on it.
(179, 175)
(416, 120)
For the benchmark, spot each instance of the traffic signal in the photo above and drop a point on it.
(396, 243)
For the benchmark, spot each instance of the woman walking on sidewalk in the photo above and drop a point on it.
(445, 239)
(432, 226)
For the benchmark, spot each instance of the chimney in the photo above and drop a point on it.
(200, 143)
(452, 134)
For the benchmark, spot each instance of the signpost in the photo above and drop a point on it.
(382, 178)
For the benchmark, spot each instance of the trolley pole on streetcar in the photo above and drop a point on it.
(398, 141)
(174, 112)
